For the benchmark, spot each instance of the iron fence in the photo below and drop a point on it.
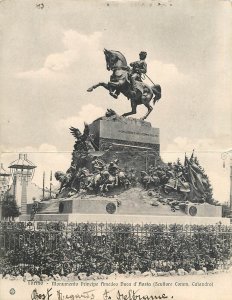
(58, 247)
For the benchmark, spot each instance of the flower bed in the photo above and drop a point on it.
(58, 248)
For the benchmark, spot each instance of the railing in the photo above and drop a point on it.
(52, 247)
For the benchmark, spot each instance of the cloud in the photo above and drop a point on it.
(42, 73)
(87, 113)
(81, 51)
(165, 74)
(78, 48)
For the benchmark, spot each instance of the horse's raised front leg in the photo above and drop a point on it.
(103, 84)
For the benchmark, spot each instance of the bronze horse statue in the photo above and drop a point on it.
(120, 82)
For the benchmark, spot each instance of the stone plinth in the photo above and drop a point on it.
(203, 210)
(88, 206)
(124, 132)
(126, 205)
(128, 210)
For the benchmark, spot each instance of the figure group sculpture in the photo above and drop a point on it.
(188, 179)
(103, 178)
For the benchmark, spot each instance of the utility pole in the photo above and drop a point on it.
(43, 184)
(51, 185)
(224, 156)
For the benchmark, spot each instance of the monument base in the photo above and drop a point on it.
(128, 208)
(133, 201)
(130, 202)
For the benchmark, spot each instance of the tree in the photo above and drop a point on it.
(10, 208)
(208, 187)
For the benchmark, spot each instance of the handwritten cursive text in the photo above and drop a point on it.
(37, 296)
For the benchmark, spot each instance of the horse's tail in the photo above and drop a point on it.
(156, 89)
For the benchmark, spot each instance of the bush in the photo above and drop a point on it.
(10, 209)
(104, 248)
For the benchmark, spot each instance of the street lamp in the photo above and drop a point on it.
(23, 169)
(224, 156)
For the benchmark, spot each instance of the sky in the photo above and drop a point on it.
(49, 57)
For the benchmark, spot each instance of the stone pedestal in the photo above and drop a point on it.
(121, 133)
(135, 143)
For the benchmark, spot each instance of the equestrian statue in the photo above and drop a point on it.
(128, 81)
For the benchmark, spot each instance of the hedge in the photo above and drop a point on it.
(58, 248)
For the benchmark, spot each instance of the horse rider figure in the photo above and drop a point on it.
(98, 165)
(139, 67)
(113, 170)
(132, 177)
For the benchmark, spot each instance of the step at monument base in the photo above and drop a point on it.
(129, 219)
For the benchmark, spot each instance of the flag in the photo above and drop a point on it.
(195, 176)
(191, 158)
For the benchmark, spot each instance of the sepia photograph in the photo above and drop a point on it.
(116, 149)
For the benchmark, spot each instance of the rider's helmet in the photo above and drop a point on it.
(142, 55)
(105, 174)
